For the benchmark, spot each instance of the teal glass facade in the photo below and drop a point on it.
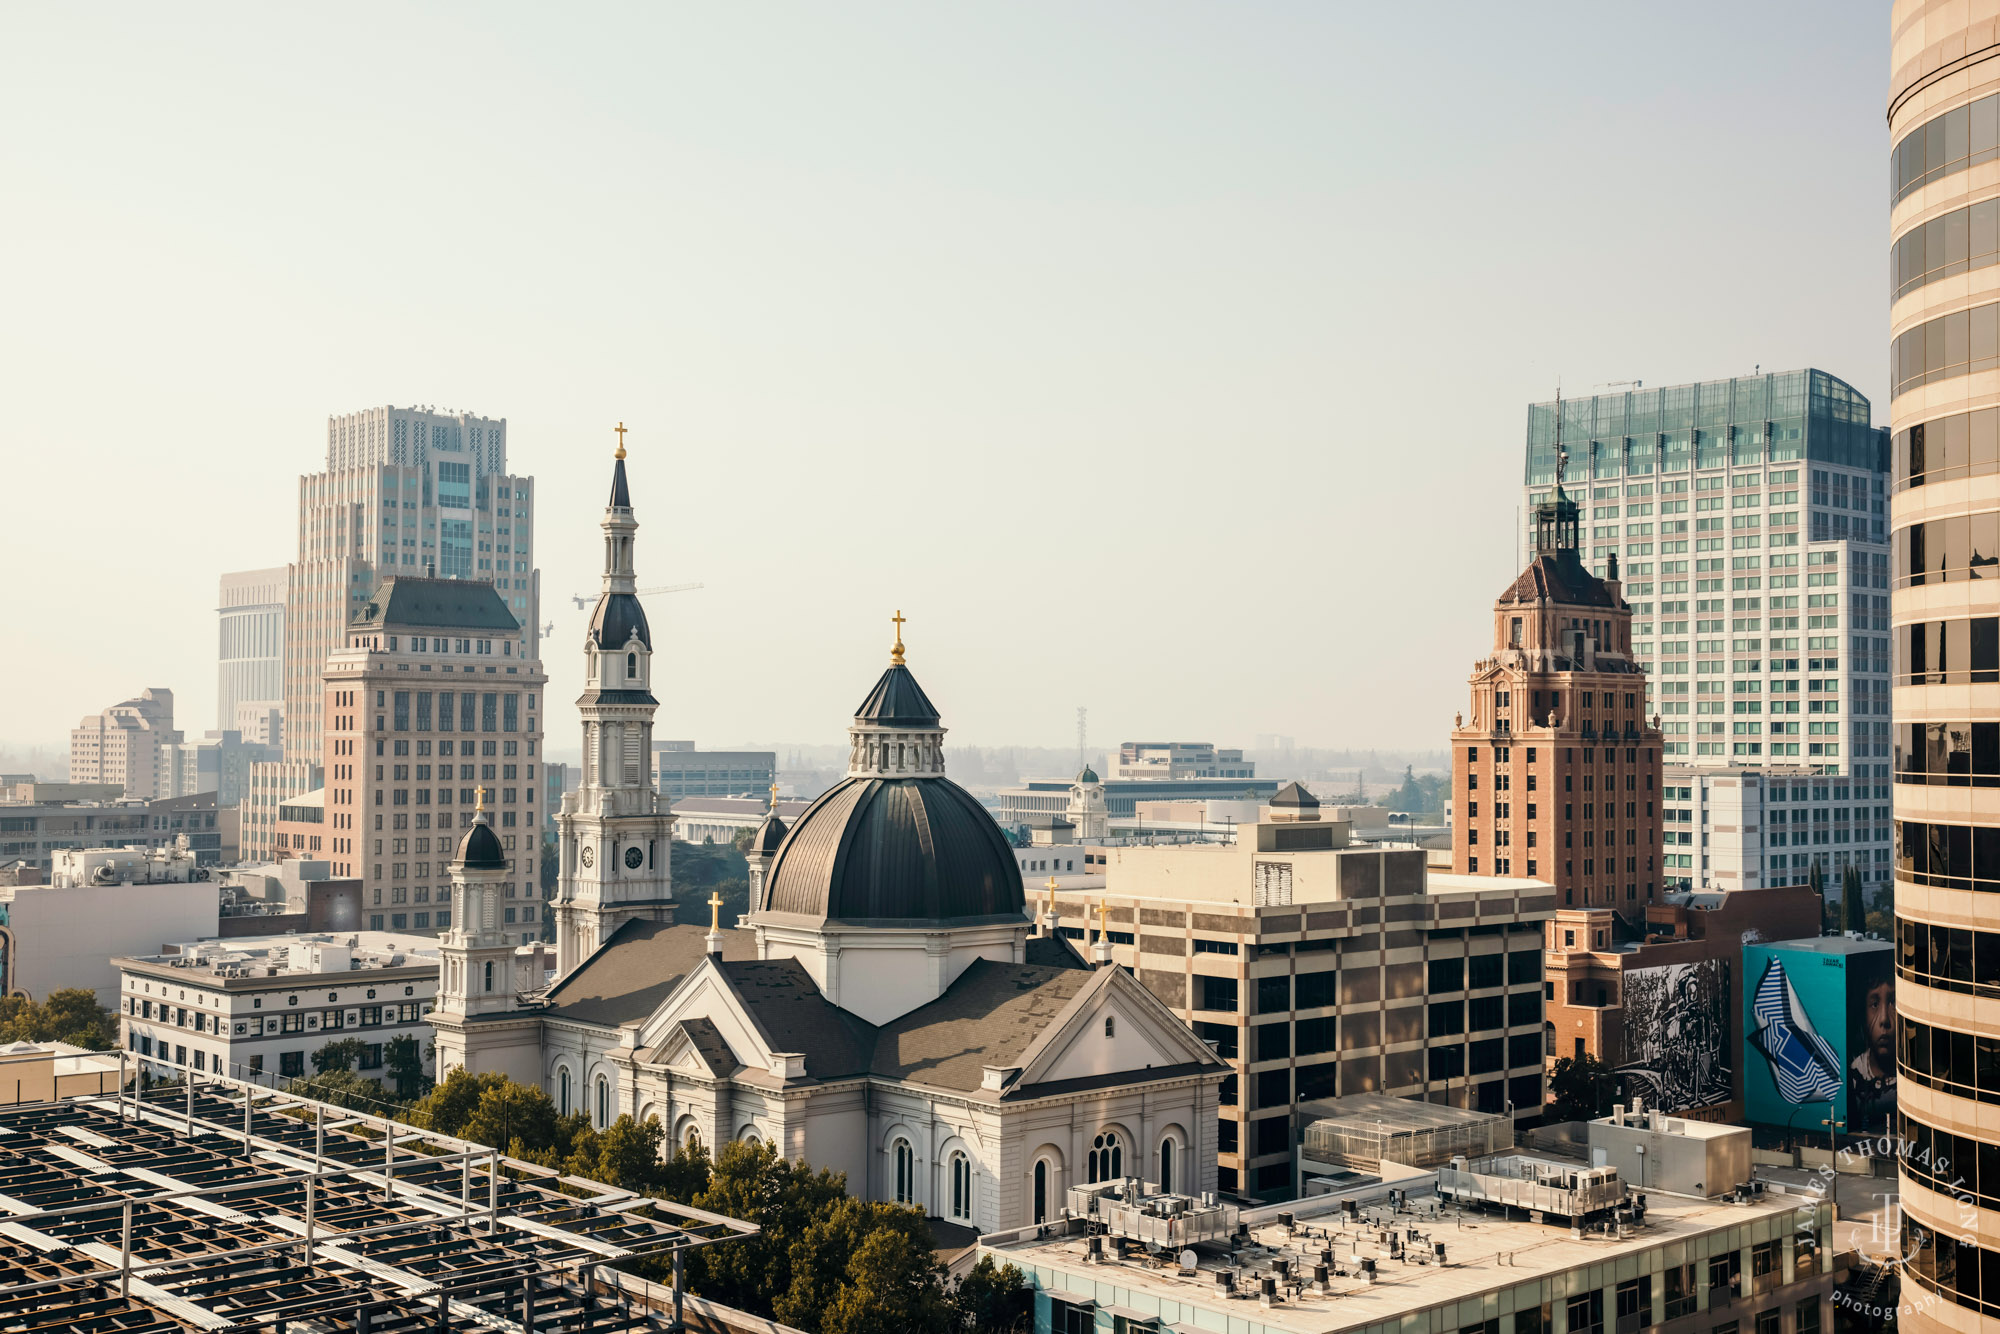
(1784, 417)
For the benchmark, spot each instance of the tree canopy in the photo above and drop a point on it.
(67, 1014)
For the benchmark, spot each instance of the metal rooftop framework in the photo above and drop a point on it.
(219, 1205)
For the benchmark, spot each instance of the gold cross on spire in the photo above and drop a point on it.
(480, 809)
(714, 911)
(1052, 895)
(774, 795)
(896, 653)
(620, 428)
(1103, 907)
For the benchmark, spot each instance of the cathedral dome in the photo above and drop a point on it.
(895, 851)
(1087, 775)
(895, 843)
(480, 849)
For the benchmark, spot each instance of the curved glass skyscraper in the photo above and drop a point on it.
(1944, 412)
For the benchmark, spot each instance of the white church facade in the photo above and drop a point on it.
(886, 1009)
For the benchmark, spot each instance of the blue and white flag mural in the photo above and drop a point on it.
(1804, 1066)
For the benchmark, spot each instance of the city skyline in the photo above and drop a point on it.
(1198, 390)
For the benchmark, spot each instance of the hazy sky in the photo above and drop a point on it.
(1167, 359)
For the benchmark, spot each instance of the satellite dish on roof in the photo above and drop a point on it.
(1188, 1259)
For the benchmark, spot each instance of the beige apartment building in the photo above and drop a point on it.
(1944, 413)
(126, 745)
(433, 711)
(1319, 968)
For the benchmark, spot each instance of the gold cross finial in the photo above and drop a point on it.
(620, 428)
(480, 809)
(714, 911)
(896, 653)
(774, 796)
(1052, 894)
(1103, 932)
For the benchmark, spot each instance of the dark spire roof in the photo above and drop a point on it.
(1294, 795)
(897, 701)
(480, 850)
(621, 498)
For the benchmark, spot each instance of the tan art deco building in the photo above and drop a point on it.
(1556, 774)
(1944, 412)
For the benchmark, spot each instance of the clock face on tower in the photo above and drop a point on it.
(633, 857)
(587, 857)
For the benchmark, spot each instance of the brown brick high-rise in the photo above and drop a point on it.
(1556, 776)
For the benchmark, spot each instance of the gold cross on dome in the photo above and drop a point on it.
(714, 911)
(481, 807)
(620, 428)
(1052, 894)
(1103, 931)
(896, 653)
(774, 796)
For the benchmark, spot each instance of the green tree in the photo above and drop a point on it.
(67, 1014)
(994, 1297)
(894, 1286)
(343, 1088)
(510, 1114)
(451, 1102)
(1581, 1088)
(342, 1055)
(404, 1060)
(551, 871)
(1853, 909)
(753, 1183)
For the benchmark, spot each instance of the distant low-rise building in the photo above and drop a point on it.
(100, 902)
(682, 770)
(35, 830)
(1121, 797)
(1152, 761)
(219, 763)
(1751, 828)
(211, 830)
(258, 1007)
(699, 819)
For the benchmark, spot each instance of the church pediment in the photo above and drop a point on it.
(1113, 1027)
(703, 1020)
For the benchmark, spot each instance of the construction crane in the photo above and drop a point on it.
(581, 603)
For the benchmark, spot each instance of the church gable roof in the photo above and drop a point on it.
(407, 602)
(792, 1015)
(636, 969)
(989, 1016)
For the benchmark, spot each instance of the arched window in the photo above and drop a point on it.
(1041, 1190)
(631, 666)
(961, 1187)
(562, 1092)
(1110, 1026)
(489, 974)
(603, 1102)
(693, 1138)
(906, 1173)
(1166, 1166)
(1107, 1158)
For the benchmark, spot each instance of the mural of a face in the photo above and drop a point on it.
(1879, 1020)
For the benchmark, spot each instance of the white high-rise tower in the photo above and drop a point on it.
(615, 832)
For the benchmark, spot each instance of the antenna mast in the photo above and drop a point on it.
(1082, 737)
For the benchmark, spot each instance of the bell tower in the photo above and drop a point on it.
(615, 833)
(481, 975)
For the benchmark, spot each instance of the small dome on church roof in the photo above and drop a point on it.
(1087, 775)
(768, 836)
(618, 617)
(480, 849)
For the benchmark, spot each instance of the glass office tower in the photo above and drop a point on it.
(1747, 518)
